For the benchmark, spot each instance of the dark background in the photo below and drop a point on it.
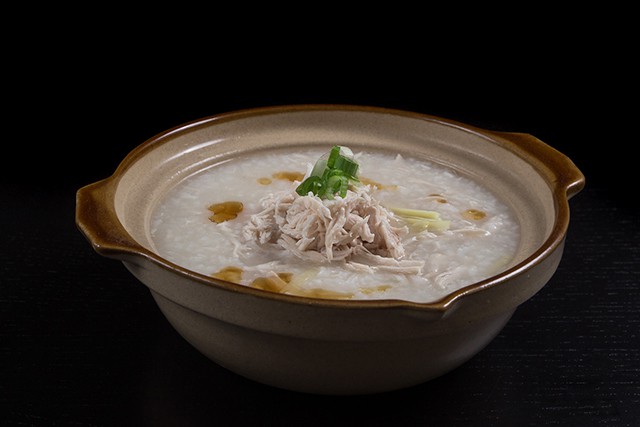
(83, 343)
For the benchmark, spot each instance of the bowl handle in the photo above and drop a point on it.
(558, 168)
(97, 219)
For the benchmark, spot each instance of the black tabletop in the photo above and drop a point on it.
(83, 343)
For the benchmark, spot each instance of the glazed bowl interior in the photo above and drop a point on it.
(155, 168)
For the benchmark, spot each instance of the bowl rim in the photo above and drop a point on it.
(561, 174)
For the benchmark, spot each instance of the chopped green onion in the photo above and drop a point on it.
(337, 183)
(319, 167)
(312, 184)
(331, 174)
(333, 155)
(348, 166)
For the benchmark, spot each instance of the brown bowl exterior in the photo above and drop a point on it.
(334, 346)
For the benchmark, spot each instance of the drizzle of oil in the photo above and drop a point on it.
(380, 288)
(225, 211)
(288, 176)
(474, 214)
(283, 175)
(368, 181)
(282, 283)
(438, 198)
(230, 274)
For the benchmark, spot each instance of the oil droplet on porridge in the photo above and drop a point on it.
(283, 283)
(474, 214)
(225, 211)
(380, 288)
(367, 181)
(283, 175)
(289, 176)
(438, 198)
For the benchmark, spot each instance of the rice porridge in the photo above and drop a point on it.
(342, 225)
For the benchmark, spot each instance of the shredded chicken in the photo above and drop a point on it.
(355, 229)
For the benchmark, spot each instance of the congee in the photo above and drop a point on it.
(331, 223)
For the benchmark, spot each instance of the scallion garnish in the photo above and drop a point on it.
(331, 174)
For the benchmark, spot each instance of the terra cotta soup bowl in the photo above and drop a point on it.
(323, 345)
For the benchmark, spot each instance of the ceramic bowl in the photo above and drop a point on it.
(334, 346)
